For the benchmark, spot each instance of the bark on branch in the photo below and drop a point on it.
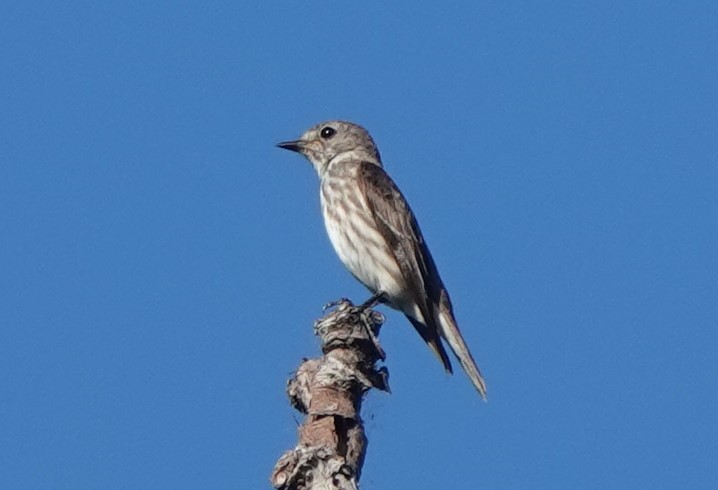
(329, 390)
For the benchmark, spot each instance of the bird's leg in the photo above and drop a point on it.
(378, 297)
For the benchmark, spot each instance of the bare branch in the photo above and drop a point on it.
(329, 390)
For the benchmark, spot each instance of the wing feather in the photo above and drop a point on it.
(399, 228)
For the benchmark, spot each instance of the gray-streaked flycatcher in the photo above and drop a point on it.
(376, 236)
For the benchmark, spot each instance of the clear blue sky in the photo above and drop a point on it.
(161, 262)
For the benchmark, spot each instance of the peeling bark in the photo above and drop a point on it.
(329, 390)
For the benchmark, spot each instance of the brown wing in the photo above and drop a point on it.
(399, 228)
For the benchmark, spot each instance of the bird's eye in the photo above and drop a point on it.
(328, 132)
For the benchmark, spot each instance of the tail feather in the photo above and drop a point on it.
(433, 341)
(450, 331)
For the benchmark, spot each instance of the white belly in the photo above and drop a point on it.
(363, 251)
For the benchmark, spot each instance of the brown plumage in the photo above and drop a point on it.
(377, 237)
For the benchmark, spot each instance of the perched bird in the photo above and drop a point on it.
(376, 236)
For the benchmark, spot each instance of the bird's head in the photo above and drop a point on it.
(333, 141)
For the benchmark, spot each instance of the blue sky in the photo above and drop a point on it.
(161, 262)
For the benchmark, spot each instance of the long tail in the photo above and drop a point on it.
(450, 332)
(432, 339)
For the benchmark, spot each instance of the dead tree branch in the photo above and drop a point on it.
(329, 390)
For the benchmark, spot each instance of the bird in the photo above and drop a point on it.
(376, 236)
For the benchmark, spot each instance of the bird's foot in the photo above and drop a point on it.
(369, 320)
(337, 302)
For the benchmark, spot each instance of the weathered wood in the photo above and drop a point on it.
(329, 390)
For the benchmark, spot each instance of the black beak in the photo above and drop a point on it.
(292, 145)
